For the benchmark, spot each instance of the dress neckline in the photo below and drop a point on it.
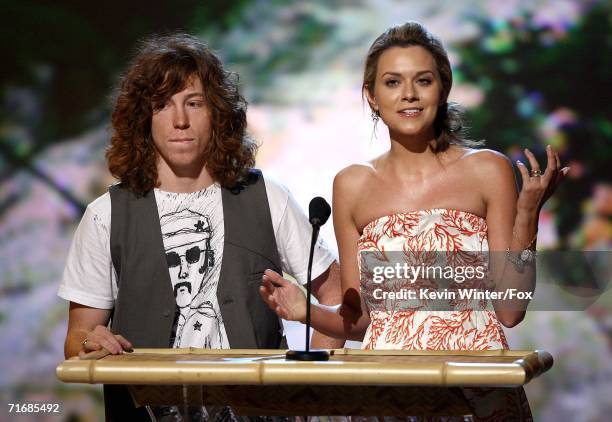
(420, 211)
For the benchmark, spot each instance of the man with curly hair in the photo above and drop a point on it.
(173, 255)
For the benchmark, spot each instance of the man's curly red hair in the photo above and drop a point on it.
(163, 66)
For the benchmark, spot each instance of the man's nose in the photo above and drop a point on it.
(180, 118)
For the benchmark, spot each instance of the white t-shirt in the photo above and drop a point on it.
(193, 234)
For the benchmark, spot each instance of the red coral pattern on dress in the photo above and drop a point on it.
(467, 326)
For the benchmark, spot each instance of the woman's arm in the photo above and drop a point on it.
(347, 189)
(352, 319)
(512, 221)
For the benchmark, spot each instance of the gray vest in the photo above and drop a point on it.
(145, 307)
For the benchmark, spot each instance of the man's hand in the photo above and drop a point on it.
(283, 297)
(88, 332)
(101, 337)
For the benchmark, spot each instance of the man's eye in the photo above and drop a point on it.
(195, 103)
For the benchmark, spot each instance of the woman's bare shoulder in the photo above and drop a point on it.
(486, 162)
(354, 176)
(490, 172)
(485, 156)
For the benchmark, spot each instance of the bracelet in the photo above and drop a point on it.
(525, 257)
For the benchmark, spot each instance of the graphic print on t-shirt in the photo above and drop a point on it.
(187, 238)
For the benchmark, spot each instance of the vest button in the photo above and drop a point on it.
(166, 313)
(228, 300)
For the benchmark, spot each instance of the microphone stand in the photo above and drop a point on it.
(309, 355)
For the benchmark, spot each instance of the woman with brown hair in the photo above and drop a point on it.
(430, 192)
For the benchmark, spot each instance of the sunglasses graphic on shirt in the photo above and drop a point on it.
(192, 255)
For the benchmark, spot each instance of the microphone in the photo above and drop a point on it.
(318, 214)
(318, 211)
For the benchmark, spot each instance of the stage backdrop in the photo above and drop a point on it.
(530, 73)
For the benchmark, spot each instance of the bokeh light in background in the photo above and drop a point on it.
(529, 73)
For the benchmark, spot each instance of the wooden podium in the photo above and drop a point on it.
(352, 382)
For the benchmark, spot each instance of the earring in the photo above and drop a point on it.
(375, 116)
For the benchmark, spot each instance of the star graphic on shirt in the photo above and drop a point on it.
(197, 326)
(199, 226)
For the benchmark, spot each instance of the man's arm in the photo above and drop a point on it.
(87, 323)
(326, 288)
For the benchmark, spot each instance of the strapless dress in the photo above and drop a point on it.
(427, 236)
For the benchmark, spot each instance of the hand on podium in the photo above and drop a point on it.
(88, 332)
(102, 338)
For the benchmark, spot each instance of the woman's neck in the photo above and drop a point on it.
(411, 155)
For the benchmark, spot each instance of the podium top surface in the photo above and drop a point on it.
(494, 368)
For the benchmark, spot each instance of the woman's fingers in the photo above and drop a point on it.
(266, 293)
(275, 278)
(271, 273)
(272, 301)
(561, 174)
(266, 285)
(523, 170)
(551, 163)
(535, 166)
(281, 312)
(537, 187)
(282, 296)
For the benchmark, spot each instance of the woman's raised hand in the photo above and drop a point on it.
(538, 186)
(283, 297)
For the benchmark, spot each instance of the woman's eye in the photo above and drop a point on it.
(195, 104)
(392, 82)
(424, 81)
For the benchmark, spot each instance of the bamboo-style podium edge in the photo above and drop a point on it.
(269, 367)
